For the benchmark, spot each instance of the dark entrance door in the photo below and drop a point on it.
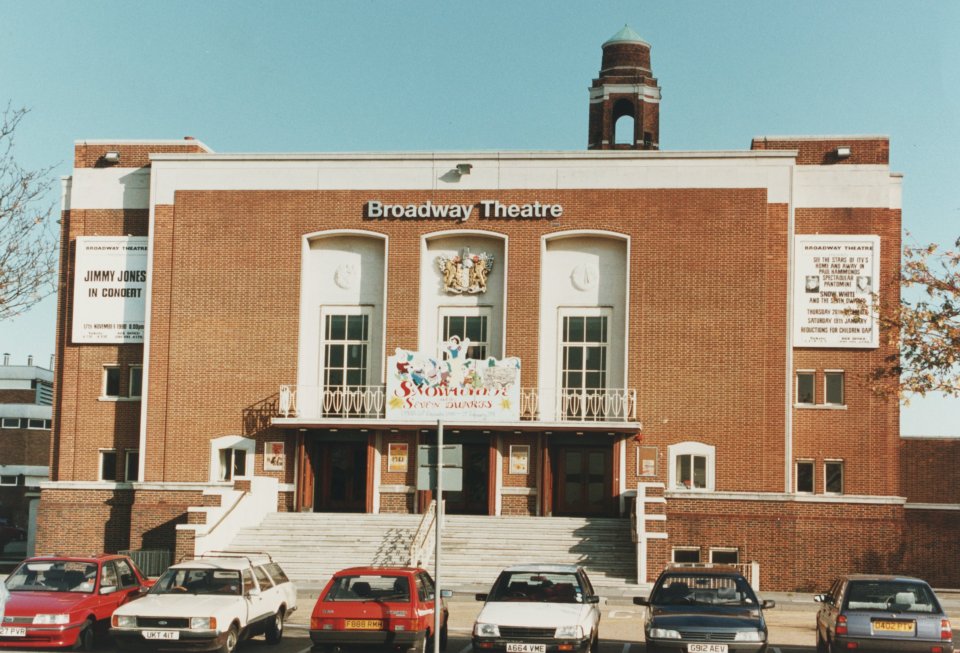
(583, 482)
(340, 476)
(474, 499)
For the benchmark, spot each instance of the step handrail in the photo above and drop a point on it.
(422, 535)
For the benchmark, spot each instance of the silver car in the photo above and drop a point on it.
(881, 613)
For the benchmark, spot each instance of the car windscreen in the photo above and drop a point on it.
(198, 581)
(890, 596)
(370, 587)
(703, 589)
(537, 587)
(53, 576)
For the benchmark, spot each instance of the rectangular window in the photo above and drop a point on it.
(108, 465)
(136, 381)
(233, 464)
(686, 554)
(805, 387)
(111, 381)
(691, 471)
(833, 383)
(583, 360)
(37, 423)
(346, 341)
(11, 422)
(805, 476)
(131, 470)
(466, 323)
(9, 479)
(725, 556)
(833, 477)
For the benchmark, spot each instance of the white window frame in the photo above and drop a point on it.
(724, 549)
(235, 442)
(4, 483)
(796, 475)
(101, 454)
(583, 311)
(843, 387)
(33, 426)
(691, 448)
(813, 394)
(126, 465)
(484, 310)
(347, 310)
(130, 370)
(674, 550)
(103, 382)
(843, 475)
(7, 422)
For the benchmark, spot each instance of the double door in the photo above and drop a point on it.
(583, 484)
(334, 476)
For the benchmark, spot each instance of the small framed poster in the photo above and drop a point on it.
(646, 461)
(519, 458)
(274, 456)
(398, 455)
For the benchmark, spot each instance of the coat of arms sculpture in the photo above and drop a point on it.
(466, 272)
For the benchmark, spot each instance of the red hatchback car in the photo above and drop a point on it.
(64, 601)
(390, 607)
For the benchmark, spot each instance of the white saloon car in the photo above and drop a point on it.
(208, 604)
(538, 609)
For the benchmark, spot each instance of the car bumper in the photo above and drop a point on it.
(680, 646)
(875, 645)
(43, 636)
(188, 640)
(499, 644)
(363, 637)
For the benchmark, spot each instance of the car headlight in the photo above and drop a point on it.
(203, 623)
(663, 633)
(486, 630)
(124, 621)
(51, 619)
(749, 636)
(569, 632)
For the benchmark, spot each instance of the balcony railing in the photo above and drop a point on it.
(536, 404)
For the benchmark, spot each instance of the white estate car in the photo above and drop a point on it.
(208, 604)
(539, 609)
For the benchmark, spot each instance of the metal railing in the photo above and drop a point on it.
(424, 537)
(536, 404)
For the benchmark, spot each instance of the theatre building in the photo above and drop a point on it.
(623, 330)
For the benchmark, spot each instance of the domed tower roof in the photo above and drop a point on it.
(625, 87)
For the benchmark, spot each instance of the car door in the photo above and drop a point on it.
(107, 603)
(827, 615)
(270, 594)
(129, 582)
(589, 591)
(426, 601)
(258, 606)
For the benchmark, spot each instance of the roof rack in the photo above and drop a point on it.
(235, 554)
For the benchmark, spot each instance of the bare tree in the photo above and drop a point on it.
(28, 244)
(926, 324)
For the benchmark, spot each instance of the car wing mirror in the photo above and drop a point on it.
(768, 603)
(480, 597)
(592, 599)
(253, 591)
(641, 600)
(108, 589)
(144, 589)
(821, 598)
(446, 594)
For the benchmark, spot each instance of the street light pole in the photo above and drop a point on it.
(437, 601)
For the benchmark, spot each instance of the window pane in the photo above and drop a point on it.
(596, 329)
(686, 555)
(834, 477)
(136, 381)
(725, 557)
(699, 471)
(683, 471)
(595, 358)
(574, 329)
(477, 351)
(226, 464)
(475, 328)
(334, 377)
(356, 325)
(108, 465)
(112, 382)
(573, 380)
(594, 380)
(357, 377)
(336, 327)
(573, 358)
(335, 355)
(133, 465)
(805, 476)
(805, 388)
(239, 462)
(834, 383)
(355, 355)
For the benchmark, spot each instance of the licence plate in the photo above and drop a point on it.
(706, 648)
(517, 647)
(363, 624)
(894, 626)
(161, 634)
(10, 631)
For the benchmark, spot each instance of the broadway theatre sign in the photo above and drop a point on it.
(453, 388)
(377, 210)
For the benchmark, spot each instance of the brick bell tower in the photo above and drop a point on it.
(625, 87)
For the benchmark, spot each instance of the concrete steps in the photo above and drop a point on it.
(312, 546)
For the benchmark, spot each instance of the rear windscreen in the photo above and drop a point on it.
(369, 587)
(890, 595)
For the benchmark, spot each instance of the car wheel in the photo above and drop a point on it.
(230, 641)
(84, 637)
(275, 630)
(420, 644)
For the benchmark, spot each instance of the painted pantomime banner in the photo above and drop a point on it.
(421, 386)
(109, 289)
(834, 291)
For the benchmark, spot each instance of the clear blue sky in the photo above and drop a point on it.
(354, 75)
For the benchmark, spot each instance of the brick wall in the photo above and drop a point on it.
(132, 155)
(823, 151)
(929, 472)
(24, 447)
(25, 396)
(83, 522)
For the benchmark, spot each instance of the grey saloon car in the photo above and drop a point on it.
(704, 610)
(881, 613)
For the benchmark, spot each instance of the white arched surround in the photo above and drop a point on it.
(240, 445)
(435, 302)
(342, 272)
(583, 273)
(709, 452)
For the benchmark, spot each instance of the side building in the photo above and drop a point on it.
(671, 333)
